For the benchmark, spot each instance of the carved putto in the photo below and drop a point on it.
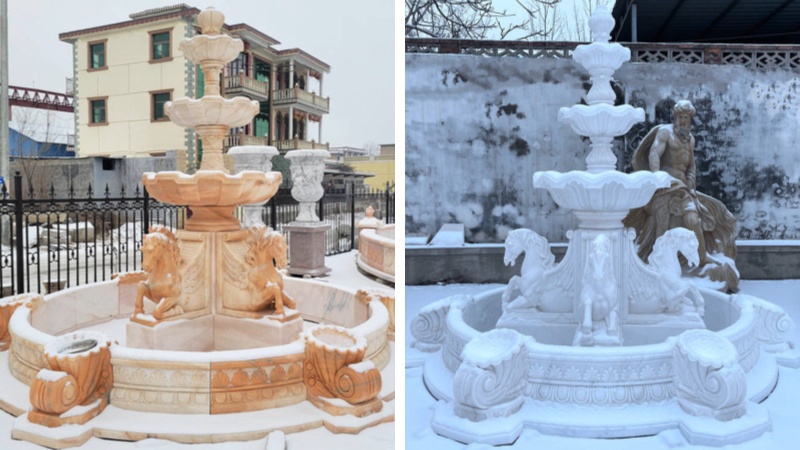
(161, 258)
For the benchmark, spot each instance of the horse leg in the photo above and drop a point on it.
(288, 301)
(141, 290)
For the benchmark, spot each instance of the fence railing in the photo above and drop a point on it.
(758, 56)
(57, 242)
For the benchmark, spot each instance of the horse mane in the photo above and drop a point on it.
(260, 240)
(166, 241)
(668, 244)
(530, 238)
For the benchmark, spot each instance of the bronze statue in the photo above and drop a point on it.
(670, 148)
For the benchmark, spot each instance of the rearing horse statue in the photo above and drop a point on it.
(267, 254)
(161, 258)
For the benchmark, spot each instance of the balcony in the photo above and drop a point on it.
(243, 85)
(305, 98)
(299, 144)
(232, 140)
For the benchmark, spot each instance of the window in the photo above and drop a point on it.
(97, 111)
(157, 101)
(160, 45)
(97, 55)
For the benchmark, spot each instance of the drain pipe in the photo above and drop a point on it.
(634, 25)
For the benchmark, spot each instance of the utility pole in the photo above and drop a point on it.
(4, 137)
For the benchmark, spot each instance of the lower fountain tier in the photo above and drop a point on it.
(212, 195)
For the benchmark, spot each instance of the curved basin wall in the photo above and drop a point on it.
(194, 382)
(601, 375)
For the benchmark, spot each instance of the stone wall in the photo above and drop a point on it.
(477, 129)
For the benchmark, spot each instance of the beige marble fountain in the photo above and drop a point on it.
(215, 328)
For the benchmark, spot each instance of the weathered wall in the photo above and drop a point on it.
(478, 128)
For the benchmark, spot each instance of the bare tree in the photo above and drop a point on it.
(547, 23)
(36, 132)
(372, 149)
(466, 19)
(578, 30)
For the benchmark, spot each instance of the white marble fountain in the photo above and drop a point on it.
(211, 343)
(602, 344)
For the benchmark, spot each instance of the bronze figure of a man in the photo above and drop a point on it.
(670, 148)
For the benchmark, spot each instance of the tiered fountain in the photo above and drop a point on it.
(215, 328)
(602, 344)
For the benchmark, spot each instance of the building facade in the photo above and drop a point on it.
(125, 72)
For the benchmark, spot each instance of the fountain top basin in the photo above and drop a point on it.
(603, 191)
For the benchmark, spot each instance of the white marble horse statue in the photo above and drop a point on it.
(599, 304)
(674, 290)
(525, 290)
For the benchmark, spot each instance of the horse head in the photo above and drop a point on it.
(515, 244)
(156, 243)
(676, 240)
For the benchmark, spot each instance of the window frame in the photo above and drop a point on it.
(91, 111)
(153, 94)
(105, 55)
(152, 46)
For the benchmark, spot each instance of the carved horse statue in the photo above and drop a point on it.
(266, 255)
(538, 259)
(161, 258)
(599, 300)
(674, 291)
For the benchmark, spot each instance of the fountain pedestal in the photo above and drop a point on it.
(307, 252)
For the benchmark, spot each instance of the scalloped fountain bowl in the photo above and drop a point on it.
(603, 392)
(603, 191)
(211, 110)
(600, 119)
(205, 47)
(212, 194)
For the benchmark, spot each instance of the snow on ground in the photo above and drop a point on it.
(782, 404)
(380, 437)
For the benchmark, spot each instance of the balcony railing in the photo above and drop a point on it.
(232, 140)
(242, 84)
(297, 95)
(299, 144)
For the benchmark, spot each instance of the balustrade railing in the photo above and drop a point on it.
(232, 140)
(749, 55)
(300, 144)
(244, 83)
(296, 94)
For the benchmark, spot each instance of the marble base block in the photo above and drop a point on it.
(196, 335)
(231, 333)
(307, 248)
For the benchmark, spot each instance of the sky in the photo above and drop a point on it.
(356, 38)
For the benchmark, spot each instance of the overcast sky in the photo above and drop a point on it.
(355, 37)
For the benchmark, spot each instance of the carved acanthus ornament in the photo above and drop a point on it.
(335, 368)
(79, 375)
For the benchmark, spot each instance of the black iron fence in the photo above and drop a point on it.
(62, 241)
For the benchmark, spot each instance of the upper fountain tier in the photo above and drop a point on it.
(211, 50)
(211, 192)
(601, 120)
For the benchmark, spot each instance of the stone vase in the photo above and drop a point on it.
(308, 169)
(253, 158)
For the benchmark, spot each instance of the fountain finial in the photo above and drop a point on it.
(211, 21)
(601, 23)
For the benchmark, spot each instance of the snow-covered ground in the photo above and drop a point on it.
(782, 404)
(380, 437)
